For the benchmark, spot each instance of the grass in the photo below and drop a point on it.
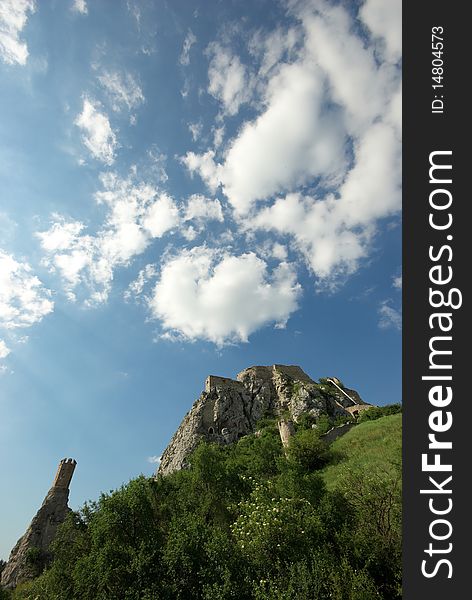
(367, 447)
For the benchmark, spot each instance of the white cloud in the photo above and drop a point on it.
(205, 166)
(270, 48)
(389, 317)
(201, 208)
(279, 251)
(13, 18)
(79, 6)
(294, 141)
(154, 460)
(398, 282)
(229, 80)
(123, 89)
(195, 130)
(4, 349)
(98, 136)
(157, 168)
(161, 216)
(24, 300)
(360, 85)
(137, 213)
(330, 123)
(189, 233)
(384, 19)
(189, 41)
(218, 136)
(206, 294)
(334, 233)
(136, 287)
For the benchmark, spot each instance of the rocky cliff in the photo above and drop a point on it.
(31, 552)
(228, 409)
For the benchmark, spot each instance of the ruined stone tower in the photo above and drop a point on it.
(64, 473)
(286, 430)
(31, 553)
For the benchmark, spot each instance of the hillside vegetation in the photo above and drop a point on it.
(372, 446)
(247, 521)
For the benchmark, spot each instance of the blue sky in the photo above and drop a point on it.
(187, 188)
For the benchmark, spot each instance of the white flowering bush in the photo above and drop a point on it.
(270, 525)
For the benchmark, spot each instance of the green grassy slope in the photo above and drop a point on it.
(370, 445)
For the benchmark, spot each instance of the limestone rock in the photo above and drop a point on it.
(228, 409)
(31, 553)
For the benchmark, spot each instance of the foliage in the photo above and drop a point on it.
(246, 521)
(376, 412)
(307, 451)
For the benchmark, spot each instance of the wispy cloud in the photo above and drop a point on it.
(79, 6)
(230, 82)
(122, 88)
(136, 213)
(24, 300)
(398, 282)
(195, 130)
(4, 349)
(13, 17)
(98, 135)
(189, 41)
(389, 317)
(136, 287)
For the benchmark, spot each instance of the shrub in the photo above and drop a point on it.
(376, 412)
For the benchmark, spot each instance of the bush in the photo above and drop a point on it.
(376, 412)
(247, 521)
(307, 451)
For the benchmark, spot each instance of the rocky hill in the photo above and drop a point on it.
(31, 553)
(229, 409)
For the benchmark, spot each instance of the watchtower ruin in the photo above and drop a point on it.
(286, 430)
(41, 531)
(64, 473)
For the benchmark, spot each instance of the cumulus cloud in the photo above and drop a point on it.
(229, 81)
(207, 294)
(161, 216)
(98, 135)
(154, 460)
(122, 88)
(24, 300)
(189, 41)
(321, 163)
(358, 83)
(201, 208)
(272, 48)
(334, 233)
(205, 166)
(297, 139)
(79, 6)
(389, 317)
(136, 213)
(13, 17)
(384, 19)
